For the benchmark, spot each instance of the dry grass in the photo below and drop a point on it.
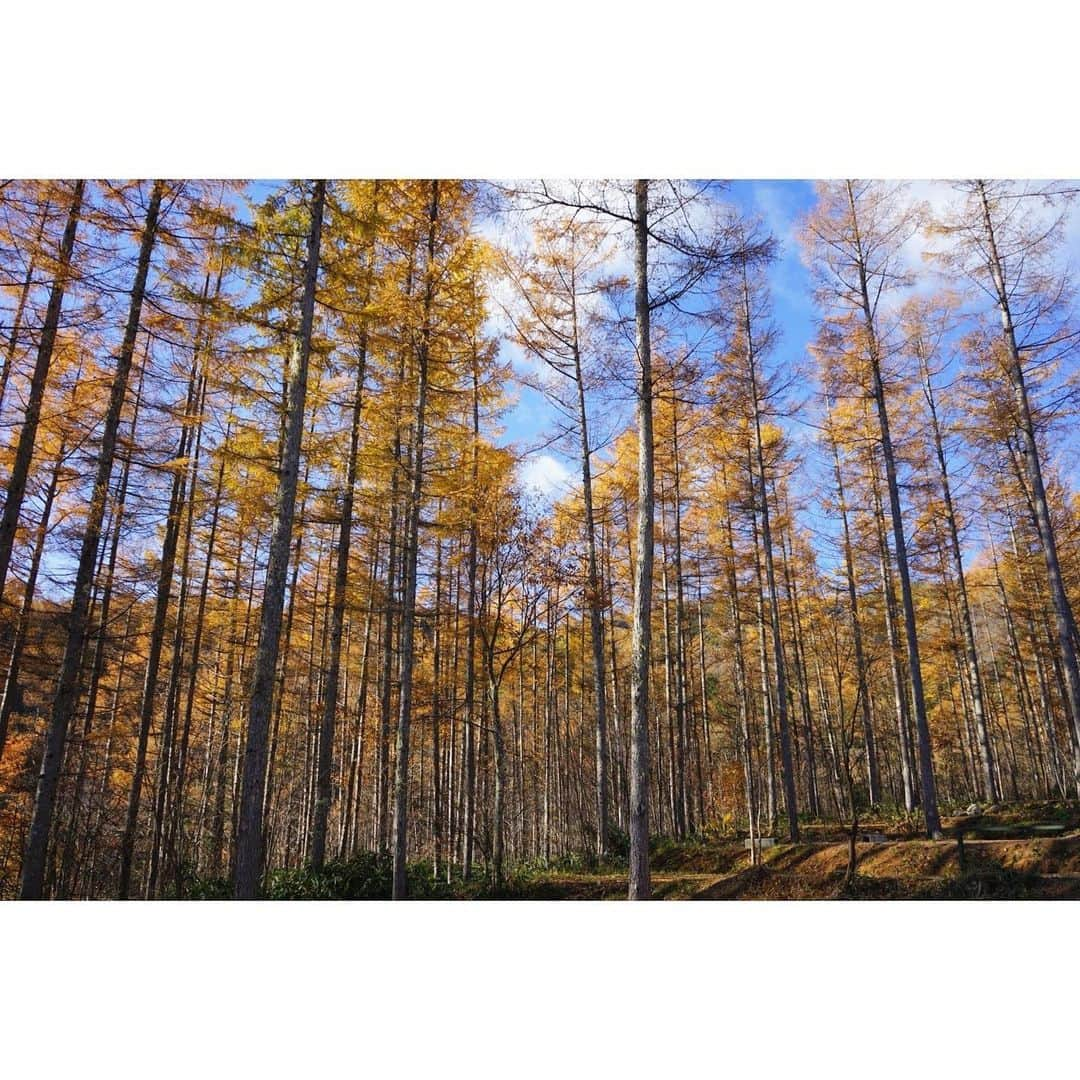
(898, 869)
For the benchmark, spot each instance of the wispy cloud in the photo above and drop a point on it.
(546, 476)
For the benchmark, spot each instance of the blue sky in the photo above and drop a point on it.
(780, 204)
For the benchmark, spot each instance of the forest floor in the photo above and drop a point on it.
(1002, 857)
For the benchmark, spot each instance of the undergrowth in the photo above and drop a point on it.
(364, 876)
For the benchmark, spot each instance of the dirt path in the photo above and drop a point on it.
(900, 869)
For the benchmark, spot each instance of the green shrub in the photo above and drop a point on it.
(618, 844)
(197, 888)
(365, 876)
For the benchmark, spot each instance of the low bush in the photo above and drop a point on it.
(364, 876)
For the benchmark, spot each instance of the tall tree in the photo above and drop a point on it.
(24, 449)
(560, 280)
(855, 236)
(754, 336)
(67, 688)
(640, 885)
(411, 551)
(250, 840)
(1007, 247)
(341, 569)
(925, 333)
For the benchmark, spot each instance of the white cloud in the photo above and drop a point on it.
(944, 198)
(545, 475)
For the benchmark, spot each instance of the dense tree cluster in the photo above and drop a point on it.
(274, 593)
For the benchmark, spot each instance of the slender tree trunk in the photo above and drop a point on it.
(157, 636)
(787, 559)
(22, 625)
(907, 770)
(67, 690)
(171, 751)
(24, 448)
(918, 701)
(20, 307)
(498, 812)
(596, 610)
(333, 673)
(766, 682)
(641, 639)
(103, 783)
(742, 692)
(351, 827)
(986, 757)
(786, 761)
(704, 688)
(873, 775)
(469, 749)
(175, 834)
(675, 766)
(436, 718)
(249, 844)
(411, 552)
(1064, 619)
(683, 719)
(115, 530)
(386, 677)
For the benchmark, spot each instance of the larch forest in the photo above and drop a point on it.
(283, 614)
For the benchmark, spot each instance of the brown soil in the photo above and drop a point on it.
(1044, 868)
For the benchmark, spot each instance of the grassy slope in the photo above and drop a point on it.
(1013, 864)
(901, 868)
